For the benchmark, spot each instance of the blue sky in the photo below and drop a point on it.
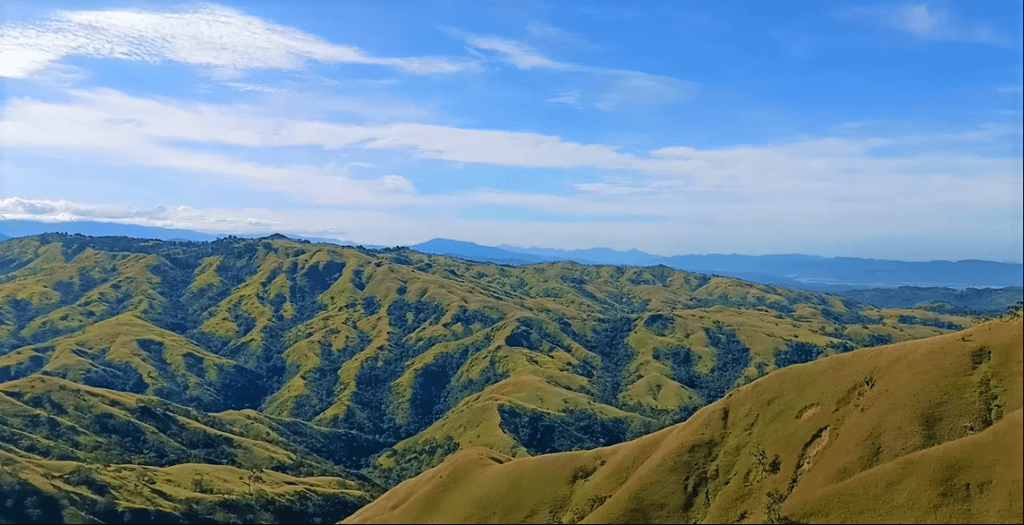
(857, 129)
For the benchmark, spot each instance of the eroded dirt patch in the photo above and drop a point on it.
(811, 449)
(808, 411)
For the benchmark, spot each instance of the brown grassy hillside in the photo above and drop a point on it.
(922, 431)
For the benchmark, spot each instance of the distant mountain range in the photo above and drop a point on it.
(972, 301)
(808, 272)
(21, 228)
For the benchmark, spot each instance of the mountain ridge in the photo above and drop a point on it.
(811, 272)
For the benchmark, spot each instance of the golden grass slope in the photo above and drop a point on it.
(921, 431)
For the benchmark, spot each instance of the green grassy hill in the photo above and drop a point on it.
(919, 432)
(322, 360)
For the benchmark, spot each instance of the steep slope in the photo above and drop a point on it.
(924, 431)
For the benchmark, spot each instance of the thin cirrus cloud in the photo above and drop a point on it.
(210, 35)
(626, 89)
(542, 31)
(928, 23)
(571, 98)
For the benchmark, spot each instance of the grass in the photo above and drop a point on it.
(887, 434)
(180, 322)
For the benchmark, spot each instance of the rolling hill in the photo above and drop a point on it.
(357, 368)
(923, 431)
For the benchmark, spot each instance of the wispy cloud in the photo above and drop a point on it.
(104, 119)
(642, 90)
(243, 87)
(111, 126)
(686, 196)
(520, 55)
(542, 31)
(1011, 89)
(929, 23)
(628, 89)
(858, 124)
(210, 35)
(571, 98)
(844, 175)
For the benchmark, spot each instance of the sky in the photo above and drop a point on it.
(886, 130)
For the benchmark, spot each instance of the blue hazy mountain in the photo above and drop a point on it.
(22, 228)
(476, 252)
(969, 301)
(593, 255)
(810, 272)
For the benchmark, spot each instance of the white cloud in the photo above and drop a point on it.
(641, 90)
(858, 124)
(985, 132)
(1011, 89)
(628, 89)
(139, 130)
(546, 32)
(917, 19)
(125, 130)
(217, 37)
(243, 87)
(44, 210)
(571, 98)
(398, 183)
(923, 183)
(109, 121)
(519, 55)
(929, 23)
